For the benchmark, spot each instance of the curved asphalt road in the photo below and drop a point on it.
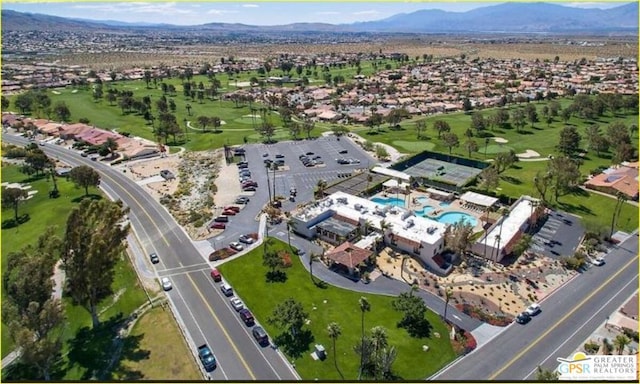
(198, 302)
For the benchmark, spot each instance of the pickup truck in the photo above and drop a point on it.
(206, 357)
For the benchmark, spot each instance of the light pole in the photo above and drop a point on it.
(186, 129)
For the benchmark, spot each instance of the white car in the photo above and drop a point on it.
(236, 304)
(166, 283)
(533, 309)
(598, 261)
(236, 246)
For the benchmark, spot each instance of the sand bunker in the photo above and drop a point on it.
(500, 140)
(529, 153)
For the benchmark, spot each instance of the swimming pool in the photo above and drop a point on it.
(422, 199)
(426, 209)
(444, 204)
(454, 217)
(389, 201)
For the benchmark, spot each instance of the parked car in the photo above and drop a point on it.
(279, 156)
(260, 335)
(154, 258)
(242, 200)
(221, 219)
(249, 188)
(236, 246)
(523, 318)
(247, 317)
(229, 213)
(279, 162)
(236, 304)
(309, 153)
(217, 225)
(598, 261)
(206, 357)
(166, 283)
(533, 309)
(232, 208)
(342, 152)
(249, 183)
(246, 239)
(243, 163)
(216, 275)
(226, 289)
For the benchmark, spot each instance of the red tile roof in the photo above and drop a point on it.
(348, 255)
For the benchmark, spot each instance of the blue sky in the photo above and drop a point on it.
(254, 13)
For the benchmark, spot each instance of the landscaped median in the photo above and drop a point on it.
(326, 304)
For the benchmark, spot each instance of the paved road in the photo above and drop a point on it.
(568, 318)
(198, 303)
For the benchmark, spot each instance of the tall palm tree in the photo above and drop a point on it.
(334, 331)
(621, 199)
(321, 185)
(313, 257)
(620, 342)
(268, 183)
(447, 296)
(380, 342)
(290, 226)
(364, 307)
(505, 214)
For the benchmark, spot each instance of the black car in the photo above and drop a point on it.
(523, 318)
(247, 317)
(260, 335)
(154, 258)
(310, 153)
(343, 152)
(279, 156)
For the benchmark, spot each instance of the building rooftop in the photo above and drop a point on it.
(402, 222)
(508, 226)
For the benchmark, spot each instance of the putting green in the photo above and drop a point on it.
(494, 148)
(247, 119)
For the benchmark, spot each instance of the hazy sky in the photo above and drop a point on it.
(254, 13)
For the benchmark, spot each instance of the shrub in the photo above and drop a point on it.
(591, 347)
(286, 259)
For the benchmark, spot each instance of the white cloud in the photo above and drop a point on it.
(219, 12)
(366, 13)
(328, 13)
(579, 4)
(250, 6)
(134, 7)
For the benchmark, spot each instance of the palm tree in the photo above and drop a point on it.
(621, 199)
(334, 331)
(505, 214)
(321, 185)
(268, 183)
(290, 226)
(364, 307)
(620, 342)
(379, 341)
(447, 296)
(313, 257)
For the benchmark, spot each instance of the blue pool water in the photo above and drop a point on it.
(426, 209)
(445, 204)
(454, 217)
(389, 201)
(422, 199)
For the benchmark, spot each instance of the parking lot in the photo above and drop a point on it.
(559, 236)
(294, 174)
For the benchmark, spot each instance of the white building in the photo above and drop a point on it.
(499, 240)
(420, 237)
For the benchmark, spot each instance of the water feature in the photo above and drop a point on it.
(425, 209)
(454, 217)
(389, 201)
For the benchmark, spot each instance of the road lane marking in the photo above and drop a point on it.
(575, 308)
(224, 330)
(582, 326)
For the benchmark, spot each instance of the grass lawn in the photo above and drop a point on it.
(43, 212)
(247, 276)
(162, 363)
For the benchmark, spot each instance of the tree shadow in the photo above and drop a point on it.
(511, 180)
(12, 223)
(573, 208)
(91, 196)
(276, 277)
(320, 284)
(417, 328)
(295, 347)
(100, 351)
(19, 371)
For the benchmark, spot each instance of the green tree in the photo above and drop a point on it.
(623, 152)
(489, 178)
(478, 122)
(450, 140)
(620, 342)
(334, 331)
(569, 140)
(364, 305)
(458, 237)
(564, 175)
(289, 315)
(421, 127)
(381, 152)
(84, 177)
(621, 198)
(522, 245)
(542, 182)
(441, 126)
(37, 160)
(111, 145)
(413, 310)
(92, 245)
(546, 375)
(24, 102)
(532, 114)
(471, 146)
(12, 197)
(272, 260)
(62, 111)
(518, 117)
(5, 103)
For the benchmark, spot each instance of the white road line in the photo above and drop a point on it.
(577, 330)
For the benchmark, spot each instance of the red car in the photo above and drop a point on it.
(229, 213)
(217, 225)
(215, 274)
(232, 208)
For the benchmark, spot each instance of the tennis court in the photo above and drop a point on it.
(451, 173)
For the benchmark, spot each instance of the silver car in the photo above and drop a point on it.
(166, 284)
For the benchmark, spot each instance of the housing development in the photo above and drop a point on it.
(388, 199)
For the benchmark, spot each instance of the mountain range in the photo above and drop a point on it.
(503, 18)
